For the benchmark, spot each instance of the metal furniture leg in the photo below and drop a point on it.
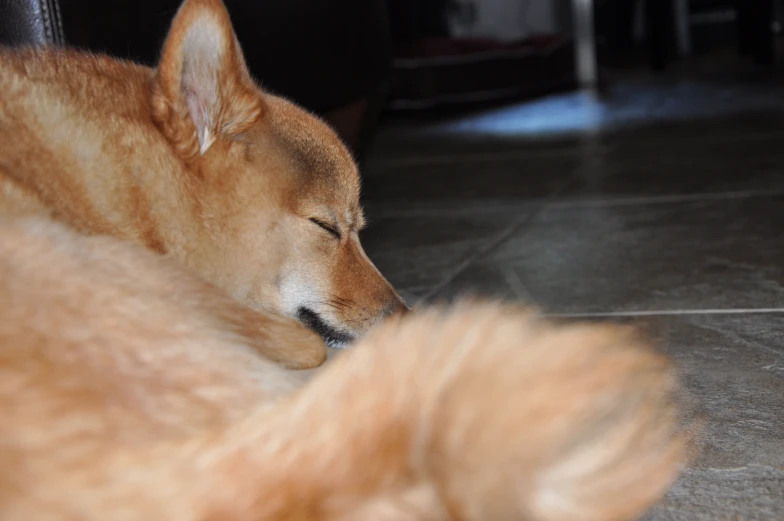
(585, 42)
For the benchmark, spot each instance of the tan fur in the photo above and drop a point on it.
(130, 390)
(131, 386)
(194, 161)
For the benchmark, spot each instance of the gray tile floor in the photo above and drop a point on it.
(662, 203)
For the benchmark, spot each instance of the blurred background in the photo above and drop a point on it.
(359, 63)
(614, 159)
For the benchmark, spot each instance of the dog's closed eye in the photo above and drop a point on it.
(324, 226)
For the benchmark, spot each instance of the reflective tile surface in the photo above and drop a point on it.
(661, 203)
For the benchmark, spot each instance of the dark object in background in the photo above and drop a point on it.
(433, 68)
(330, 57)
(659, 30)
(747, 23)
(754, 20)
(411, 20)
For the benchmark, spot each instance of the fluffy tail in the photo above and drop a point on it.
(477, 413)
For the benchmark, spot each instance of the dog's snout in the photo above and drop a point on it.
(398, 307)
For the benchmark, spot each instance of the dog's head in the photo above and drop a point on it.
(274, 190)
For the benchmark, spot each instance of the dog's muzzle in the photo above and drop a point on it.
(331, 336)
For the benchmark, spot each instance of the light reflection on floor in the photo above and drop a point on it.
(621, 106)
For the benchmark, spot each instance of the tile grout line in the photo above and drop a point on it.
(557, 150)
(666, 312)
(516, 284)
(728, 195)
(508, 206)
(499, 239)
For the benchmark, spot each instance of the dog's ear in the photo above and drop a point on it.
(202, 89)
